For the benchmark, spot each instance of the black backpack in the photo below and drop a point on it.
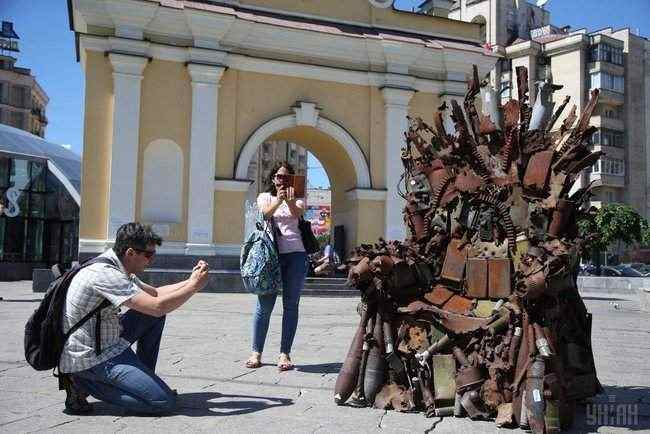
(44, 337)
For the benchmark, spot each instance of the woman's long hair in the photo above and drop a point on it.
(270, 187)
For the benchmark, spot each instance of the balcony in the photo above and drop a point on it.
(608, 67)
(611, 97)
(601, 179)
(610, 151)
(609, 123)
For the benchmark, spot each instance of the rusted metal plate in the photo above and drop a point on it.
(459, 305)
(538, 171)
(439, 295)
(451, 321)
(500, 285)
(477, 278)
(453, 269)
(561, 215)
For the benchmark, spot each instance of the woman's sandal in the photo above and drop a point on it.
(254, 361)
(285, 365)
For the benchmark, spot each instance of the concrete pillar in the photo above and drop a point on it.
(203, 149)
(396, 104)
(127, 79)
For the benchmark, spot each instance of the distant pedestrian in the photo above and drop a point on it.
(111, 371)
(280, 204)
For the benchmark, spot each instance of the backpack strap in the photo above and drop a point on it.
(85, 319)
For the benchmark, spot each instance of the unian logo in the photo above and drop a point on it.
(612, 413)
(12, 209)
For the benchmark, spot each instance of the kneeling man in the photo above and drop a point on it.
(98, 357)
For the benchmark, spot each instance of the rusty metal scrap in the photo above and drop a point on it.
(477, 312)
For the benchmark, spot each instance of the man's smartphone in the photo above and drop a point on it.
(298, 184)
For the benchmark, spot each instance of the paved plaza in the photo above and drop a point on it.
(207, 340)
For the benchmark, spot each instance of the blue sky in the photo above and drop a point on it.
(47, 47)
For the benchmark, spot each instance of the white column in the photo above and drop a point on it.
(203, 150)
(396, 105)
(127, 78)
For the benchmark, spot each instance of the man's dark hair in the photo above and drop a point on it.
(136, 236)
(270, 186)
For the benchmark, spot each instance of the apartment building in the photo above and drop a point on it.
(617, 62)
(22, 100)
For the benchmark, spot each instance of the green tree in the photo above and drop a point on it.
(614, 223)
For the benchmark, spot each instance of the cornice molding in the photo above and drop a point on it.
(219, 58)
(212, 35)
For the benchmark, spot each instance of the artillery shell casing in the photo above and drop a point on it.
(347, 378)
(444, 411)
(376, 365)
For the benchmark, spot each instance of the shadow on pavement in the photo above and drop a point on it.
(618, 407)
(320, 368)
(220, 404)
(203, 404)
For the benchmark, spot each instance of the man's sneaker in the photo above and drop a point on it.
(75, 400)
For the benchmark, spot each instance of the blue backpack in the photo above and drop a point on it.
(259, 261)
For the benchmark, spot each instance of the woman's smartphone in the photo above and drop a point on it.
(298, 184)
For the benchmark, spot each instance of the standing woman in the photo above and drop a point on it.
(279, 203)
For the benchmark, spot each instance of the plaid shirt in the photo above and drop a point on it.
(87, 290)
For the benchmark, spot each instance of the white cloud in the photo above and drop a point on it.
(68, 147)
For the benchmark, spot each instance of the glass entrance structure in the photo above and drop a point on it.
(39, 204)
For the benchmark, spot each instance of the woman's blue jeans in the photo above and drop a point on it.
(128, 380)
(294, 270)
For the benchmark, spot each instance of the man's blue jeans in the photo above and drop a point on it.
(294, 269)
(127, 380)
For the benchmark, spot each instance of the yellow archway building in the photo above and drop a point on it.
(179, 95)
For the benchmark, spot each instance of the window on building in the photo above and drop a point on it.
(606, 53)
(603, 80)
(610, 166)
(18, 120)
(505, 92)
(26, 235)
(506, 65)
(21, 96)
(611, 197)
(611, 113)
(606, 137)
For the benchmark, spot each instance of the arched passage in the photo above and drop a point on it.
(306, 115)
(339, 153)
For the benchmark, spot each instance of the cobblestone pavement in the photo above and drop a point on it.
(207, 341)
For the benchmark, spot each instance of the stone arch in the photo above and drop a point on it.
(306, 114)
(162, 186)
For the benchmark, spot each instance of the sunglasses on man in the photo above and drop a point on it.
(147, 253)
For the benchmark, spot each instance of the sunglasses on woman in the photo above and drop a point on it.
(283, 177)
